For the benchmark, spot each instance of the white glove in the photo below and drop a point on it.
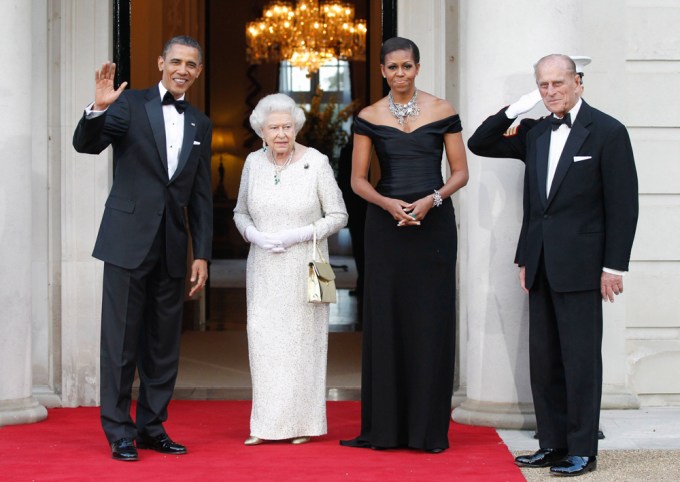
(289, 237)
(263, 240)
(524, 104)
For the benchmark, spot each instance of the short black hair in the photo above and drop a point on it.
(399, 43)
(183, 40)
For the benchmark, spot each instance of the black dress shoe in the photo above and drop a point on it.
(541, 458)
(124, 449)
(161, 443)
(573, 465)
(434, 451)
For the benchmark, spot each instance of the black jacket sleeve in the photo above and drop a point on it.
(495, 138)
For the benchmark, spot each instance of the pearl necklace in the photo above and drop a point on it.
(279, 168)
(402, 112)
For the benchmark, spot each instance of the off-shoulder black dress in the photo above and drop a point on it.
(409, 298)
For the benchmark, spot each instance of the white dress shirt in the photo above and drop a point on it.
(174, 132)
(558, 138)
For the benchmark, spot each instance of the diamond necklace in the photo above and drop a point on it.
(402, 112)
(279, 168)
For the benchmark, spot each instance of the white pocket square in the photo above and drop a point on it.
(196, 143)
(582, 158)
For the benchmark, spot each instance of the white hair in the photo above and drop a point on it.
(279, 103)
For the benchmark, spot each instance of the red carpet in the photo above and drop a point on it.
(70, 445)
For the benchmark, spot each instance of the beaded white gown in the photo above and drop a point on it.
(287, 336)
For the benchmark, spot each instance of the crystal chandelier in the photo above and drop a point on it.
(307, 35)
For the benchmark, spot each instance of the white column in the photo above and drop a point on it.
(423, 22)
(17, 405)
(500, 41)
(83, 31)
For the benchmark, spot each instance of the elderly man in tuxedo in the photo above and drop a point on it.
(580, 215)
(161, 169)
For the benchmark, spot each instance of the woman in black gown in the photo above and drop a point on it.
(410, 258)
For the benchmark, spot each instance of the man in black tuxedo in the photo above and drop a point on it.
(161, 168)
(580, 215)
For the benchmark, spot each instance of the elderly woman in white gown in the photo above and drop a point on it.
(287, 193)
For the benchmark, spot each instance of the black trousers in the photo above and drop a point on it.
(565, 343)
(140, 329)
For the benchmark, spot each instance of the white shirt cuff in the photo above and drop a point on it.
(91, 114)
(614, 271)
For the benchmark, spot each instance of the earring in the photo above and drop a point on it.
(264, 145)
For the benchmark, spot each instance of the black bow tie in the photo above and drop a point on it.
(180, 105)
(556, 123)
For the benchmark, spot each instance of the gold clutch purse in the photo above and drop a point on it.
(320, 278)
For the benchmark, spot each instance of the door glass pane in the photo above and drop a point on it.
(293, 79)
(334, 76)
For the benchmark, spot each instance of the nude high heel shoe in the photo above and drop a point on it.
(253, 441)
(300, 440)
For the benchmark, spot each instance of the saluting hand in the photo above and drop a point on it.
(524, 104)
(105, 94)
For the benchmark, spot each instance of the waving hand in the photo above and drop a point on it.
(105, 94)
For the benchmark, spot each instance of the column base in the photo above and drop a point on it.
(518, 416)
(618, 398)
(459, 396)
(521, 416)
(25, 410)
(46, 397)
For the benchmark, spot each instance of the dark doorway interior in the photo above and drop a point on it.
(215, 366)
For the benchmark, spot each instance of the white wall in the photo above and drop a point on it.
(79, 42)
(651, 69)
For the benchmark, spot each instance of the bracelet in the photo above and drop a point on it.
(436, 199)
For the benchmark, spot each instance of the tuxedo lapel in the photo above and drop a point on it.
(154, 111)
(187, 142)
(542, 152)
